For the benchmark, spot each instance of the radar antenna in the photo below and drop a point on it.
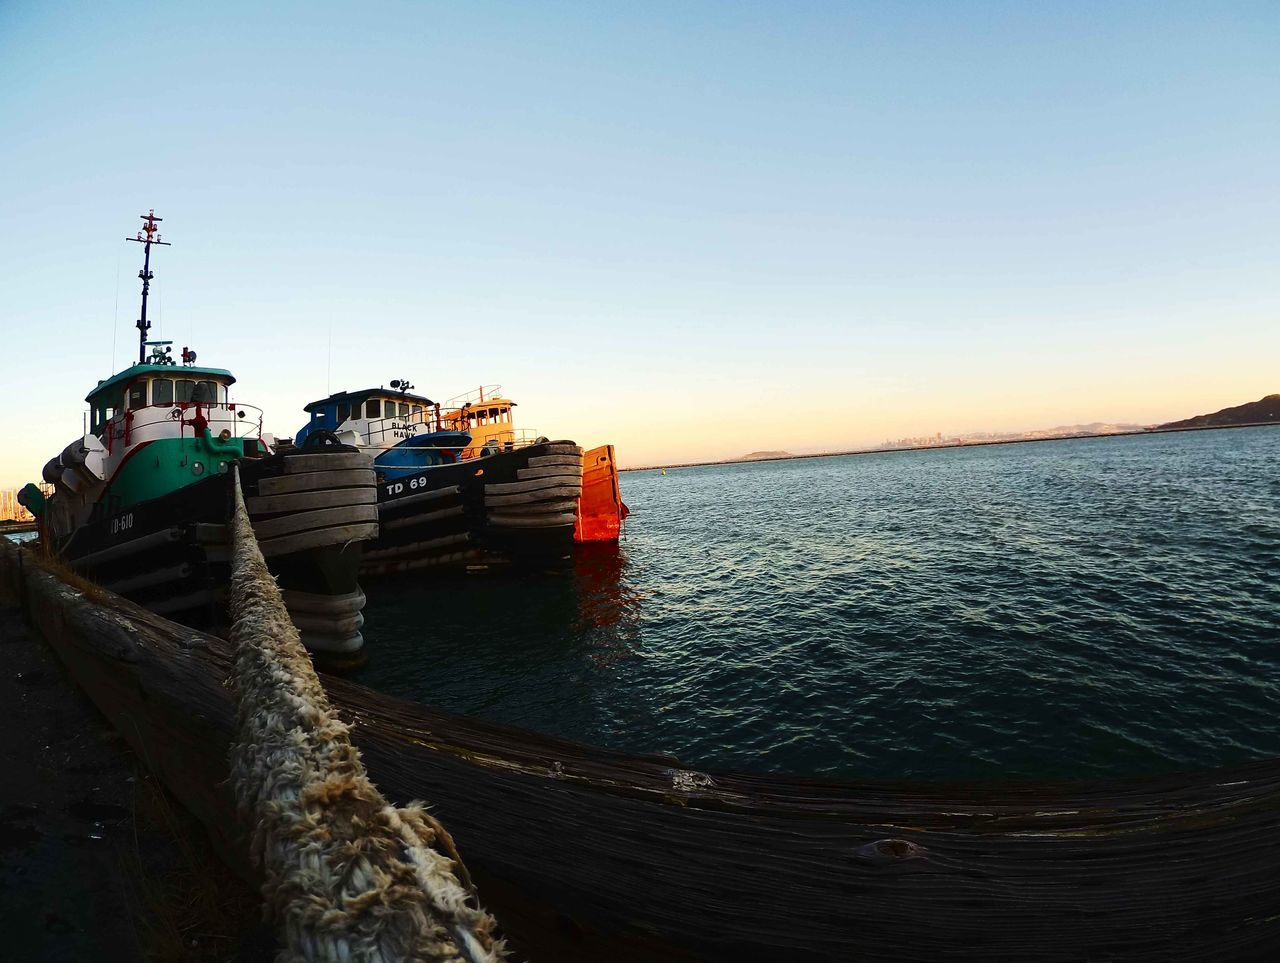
(147, 236)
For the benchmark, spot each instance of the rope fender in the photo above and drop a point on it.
(346, 876)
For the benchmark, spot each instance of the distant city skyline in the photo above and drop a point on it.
(689, 230)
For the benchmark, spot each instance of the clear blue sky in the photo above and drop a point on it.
(690, 229)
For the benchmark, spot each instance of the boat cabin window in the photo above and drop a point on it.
(198, 392)
(162, 391)
(137, 395)
(344, 412)
(373, 408)
(101, 415)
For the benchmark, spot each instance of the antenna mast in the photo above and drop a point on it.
(147, 236)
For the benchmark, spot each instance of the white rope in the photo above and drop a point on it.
(347, 876)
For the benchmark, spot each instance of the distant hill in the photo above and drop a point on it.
(1254, 413)
(762, 455)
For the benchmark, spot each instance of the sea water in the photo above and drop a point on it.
(1082, 608)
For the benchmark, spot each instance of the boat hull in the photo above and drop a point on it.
(510, 509)
(312, 510)
(601, 510)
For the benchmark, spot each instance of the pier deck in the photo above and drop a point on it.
(91, 866)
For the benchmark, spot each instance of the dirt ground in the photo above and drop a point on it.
(97, 862)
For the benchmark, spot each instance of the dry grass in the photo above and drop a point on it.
(58, 567)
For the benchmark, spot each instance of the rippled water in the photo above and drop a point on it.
(1079, 608)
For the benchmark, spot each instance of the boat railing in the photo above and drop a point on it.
(241, 420)
(509, 439)
(451, 415)
(397, 427)
(478, 396)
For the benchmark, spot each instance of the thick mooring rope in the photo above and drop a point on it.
(347, 876)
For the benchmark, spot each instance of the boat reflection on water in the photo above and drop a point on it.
(608, 607)
(528, 650)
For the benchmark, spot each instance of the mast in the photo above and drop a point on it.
(147, 236)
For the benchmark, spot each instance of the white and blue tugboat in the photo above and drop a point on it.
(444, 500)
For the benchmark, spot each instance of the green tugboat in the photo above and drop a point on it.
(140, 503)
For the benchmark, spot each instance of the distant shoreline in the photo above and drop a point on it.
(960, 444)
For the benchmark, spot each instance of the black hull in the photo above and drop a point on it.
(172, 554)
(514, 509)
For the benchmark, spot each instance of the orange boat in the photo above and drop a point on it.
(489, 418)
(601, 510)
